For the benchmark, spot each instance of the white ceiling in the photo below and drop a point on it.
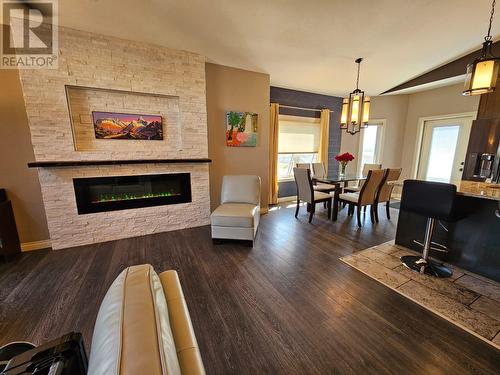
(303, 44)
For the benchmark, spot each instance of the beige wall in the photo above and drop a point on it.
(16, 151)
(402, 114)
(230, 89)
(393, 109)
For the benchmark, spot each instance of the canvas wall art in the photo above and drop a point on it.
(241, 129)
(110, 125)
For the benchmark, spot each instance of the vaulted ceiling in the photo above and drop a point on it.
(308, 45)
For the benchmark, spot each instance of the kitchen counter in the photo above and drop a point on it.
(470, 189)
(473, 241)
(478, 190)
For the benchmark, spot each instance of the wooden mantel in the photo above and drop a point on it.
(81, 163)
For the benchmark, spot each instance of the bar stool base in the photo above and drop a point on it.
(429, 267)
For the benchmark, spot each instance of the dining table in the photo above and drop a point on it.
(340, 181)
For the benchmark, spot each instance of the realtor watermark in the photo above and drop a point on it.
(29, 37)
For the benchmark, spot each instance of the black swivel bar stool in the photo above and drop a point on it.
(435, 201)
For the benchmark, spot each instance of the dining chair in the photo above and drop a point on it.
(385, 190)
(306, 193)
(366, 195)
(319, 171)
(364, 173)
(317, 186)
(303, 165)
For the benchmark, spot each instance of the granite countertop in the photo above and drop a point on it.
(479, 190)
(471, 189)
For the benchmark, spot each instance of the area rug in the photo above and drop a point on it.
(469, 301)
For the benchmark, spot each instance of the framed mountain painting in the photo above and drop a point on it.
(241, 129)
(110, 125)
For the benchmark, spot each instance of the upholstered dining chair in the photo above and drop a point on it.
(317, 186)
(306, 193)
(303, 165)
(364, 173)
(319, 171)
(366, 195)
(385, 190)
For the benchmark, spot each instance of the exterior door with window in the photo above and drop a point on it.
(443, 149)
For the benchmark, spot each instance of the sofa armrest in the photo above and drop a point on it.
(186, 345)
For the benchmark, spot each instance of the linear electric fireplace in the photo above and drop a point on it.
(101, 194)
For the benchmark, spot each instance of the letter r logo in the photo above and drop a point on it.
(22, 23)
(29, 34)
(31, 27)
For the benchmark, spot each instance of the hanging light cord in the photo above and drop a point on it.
(357, 79)
(358, 61)
(488, 37)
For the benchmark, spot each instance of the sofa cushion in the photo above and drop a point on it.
(132, 334)
(235, 215)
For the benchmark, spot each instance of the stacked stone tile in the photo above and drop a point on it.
(116, 75)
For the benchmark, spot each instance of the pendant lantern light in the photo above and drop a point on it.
(482, 73)
(355, 109)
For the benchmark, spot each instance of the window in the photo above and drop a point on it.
(370, 144)
(298, 142)
(443, 146)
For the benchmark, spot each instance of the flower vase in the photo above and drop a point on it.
(343, 159)
(342, 169)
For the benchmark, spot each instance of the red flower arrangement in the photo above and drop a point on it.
(344, 158)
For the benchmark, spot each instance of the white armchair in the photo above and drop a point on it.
(238, 215)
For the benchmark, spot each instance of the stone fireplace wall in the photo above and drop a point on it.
(82, 101)
(91, 61)
(68, 229)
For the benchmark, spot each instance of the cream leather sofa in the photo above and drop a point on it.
(238, 215)
(143, 327)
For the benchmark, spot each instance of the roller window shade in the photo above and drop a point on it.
(298, 137)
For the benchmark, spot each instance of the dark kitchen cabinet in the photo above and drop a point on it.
(484, 137)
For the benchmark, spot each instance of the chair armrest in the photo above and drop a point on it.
(186, 345)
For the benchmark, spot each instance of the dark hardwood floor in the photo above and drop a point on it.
(287, 306)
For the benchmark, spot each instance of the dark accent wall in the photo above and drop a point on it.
(304, 99)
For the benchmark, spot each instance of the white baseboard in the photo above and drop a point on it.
(35, 245)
